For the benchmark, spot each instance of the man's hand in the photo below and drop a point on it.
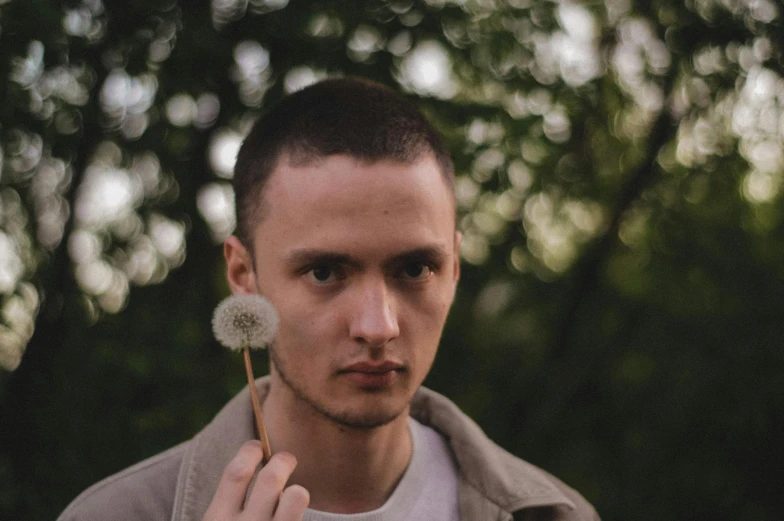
(270, 499)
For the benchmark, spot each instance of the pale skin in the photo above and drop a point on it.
(361, 262)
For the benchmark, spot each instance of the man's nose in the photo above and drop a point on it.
(374, 321)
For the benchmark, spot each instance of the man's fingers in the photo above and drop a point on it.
(292, 504)
(268, 496)
(234, 484)
(270, 482)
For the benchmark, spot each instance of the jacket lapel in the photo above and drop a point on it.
(494, 483)
(211, 450)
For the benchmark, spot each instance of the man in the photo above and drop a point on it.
(346, 223)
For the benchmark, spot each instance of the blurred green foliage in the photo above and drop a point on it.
(620, 168)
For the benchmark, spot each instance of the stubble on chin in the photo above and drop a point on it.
(354, 420)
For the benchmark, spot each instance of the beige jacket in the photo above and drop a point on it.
(178, 484)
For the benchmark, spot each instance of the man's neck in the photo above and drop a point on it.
(346, 470)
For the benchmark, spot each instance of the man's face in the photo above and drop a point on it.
(361, 262)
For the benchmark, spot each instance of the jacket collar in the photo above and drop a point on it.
(493, 483)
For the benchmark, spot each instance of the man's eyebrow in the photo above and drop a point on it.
(313, 256)
(302, 257)
(435, 253)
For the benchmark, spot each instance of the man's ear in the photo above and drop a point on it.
(240, 271)
(456, 269)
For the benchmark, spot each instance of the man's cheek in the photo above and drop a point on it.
(305, 335)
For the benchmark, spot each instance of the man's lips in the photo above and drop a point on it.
(373, 367)
(373, 375)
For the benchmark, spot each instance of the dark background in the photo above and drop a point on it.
(620, 168)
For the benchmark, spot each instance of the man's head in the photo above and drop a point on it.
(352, 238)
(347, 116)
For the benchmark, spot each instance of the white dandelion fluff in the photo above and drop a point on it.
(242, 321)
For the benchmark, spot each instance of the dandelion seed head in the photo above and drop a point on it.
(245, 321)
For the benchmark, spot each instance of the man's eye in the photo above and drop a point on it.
(416, 271)
(323, 274)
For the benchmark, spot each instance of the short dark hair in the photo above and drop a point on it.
(352, 116)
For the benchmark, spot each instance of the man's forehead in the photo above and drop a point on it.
(320, 175)
(300, 159)
(340, 199)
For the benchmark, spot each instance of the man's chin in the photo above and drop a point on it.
(366, 408)
(363, 420)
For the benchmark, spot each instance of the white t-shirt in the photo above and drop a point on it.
(427, 491)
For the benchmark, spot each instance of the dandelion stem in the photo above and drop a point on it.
(254, 398)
